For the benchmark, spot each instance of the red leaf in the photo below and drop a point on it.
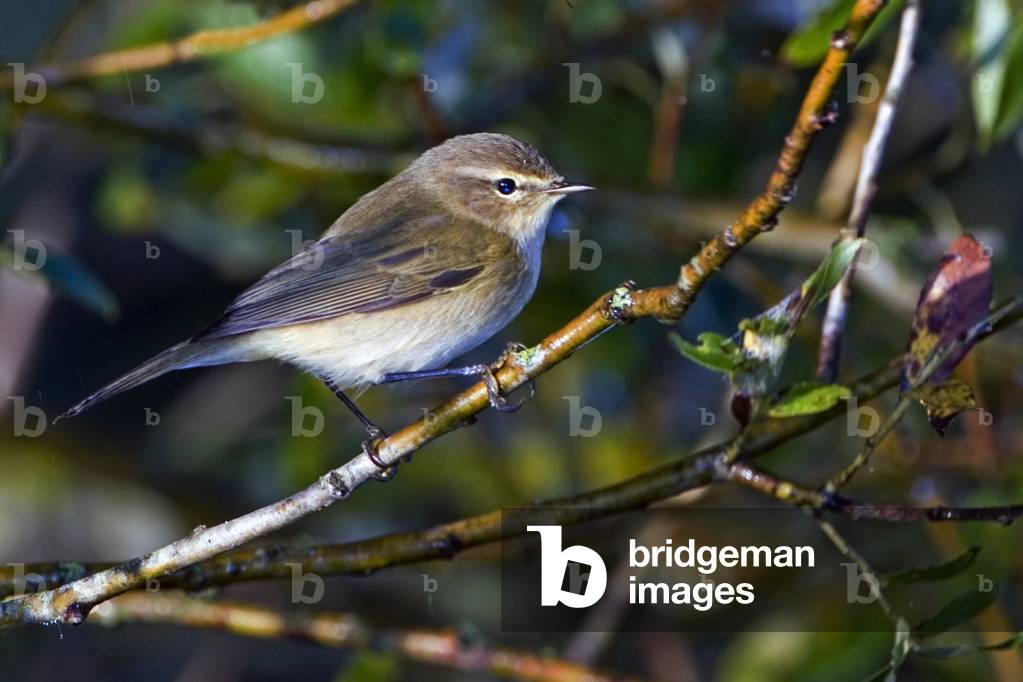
(956, 297)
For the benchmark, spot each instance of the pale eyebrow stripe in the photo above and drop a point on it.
(481, 174)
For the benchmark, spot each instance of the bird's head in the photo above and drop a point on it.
(497, 180)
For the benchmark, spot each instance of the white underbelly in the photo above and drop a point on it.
(358, 349)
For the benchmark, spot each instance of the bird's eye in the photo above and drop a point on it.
(505, 186)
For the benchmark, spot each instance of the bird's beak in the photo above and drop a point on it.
(565, 187)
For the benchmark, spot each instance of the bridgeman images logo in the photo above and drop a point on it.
(576, 576)
(585, 587)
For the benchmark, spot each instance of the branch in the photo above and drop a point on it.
(866, 189)
(843, 477)
(446, 648)
(310, 151)
(71, 603)
(847, 550)
(447, 540)
(191, 47)
(670, 302)
(797, 495)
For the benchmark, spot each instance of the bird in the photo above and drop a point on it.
(417, 272)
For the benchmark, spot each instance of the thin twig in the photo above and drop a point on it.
(866, 189)
(778, 488)
(842, 478)
(197, 45)
(847, 550)
(445, 648)
(797, 495)
(71, 603)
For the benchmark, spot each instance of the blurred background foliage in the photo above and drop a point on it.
(159, 196)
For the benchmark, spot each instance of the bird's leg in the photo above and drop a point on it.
(486, 372)
(374, 433)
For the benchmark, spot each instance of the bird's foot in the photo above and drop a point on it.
(489, 375)
(370, 448)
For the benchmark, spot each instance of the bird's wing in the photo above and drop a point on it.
(341, 274)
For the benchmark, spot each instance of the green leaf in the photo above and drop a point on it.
(1010, 101)
(961, 609)
(935, 572)
(817, 287)
(992, 25)
(957, 650)
(62, 273)
(808, 397)
(714, 351)
(808, 45)
(944, 401)
(783, 316)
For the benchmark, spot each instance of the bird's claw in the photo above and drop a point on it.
(489, 375)
(510, 349)
(370, 449)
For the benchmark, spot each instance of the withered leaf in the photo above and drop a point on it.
(944, 401)
(956, 297)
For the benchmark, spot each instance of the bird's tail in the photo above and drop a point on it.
(192, 353)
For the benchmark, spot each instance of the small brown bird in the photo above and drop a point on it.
(422, 269)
